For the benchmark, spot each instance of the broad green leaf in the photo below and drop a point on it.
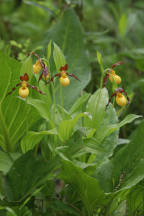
(135, 200)
(63, 113)
(10, 211)
(107, 135)
(27, 67)
(128, 159)
(59, 58)
(17, 115)
(14, 112)
(27, 174)
(41, 106)
(79, 104)
(58, 206)
(108, 126)
(132, 154)
(106, 140)
(96, 107)
(68, 34)
(5, 141)
(5, 76)
(122, 141)
(135, 176)
(74, 144)
(66, 127)
(23, 211)
(128, 119)
(50, 112)
(31, 139)
(89, 148)
(106, 129)
(87, 187)
(38, 5)
(6, 161)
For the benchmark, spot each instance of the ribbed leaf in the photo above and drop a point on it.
(5, 76)
(88, 188)
(96, 107)
(59, 58)
(66, 127)
(31, 139)
(26, 174)
(128, 160)
(15, 113)
(6, 161)
(27, 67)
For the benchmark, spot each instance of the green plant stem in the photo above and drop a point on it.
(61, 95)
(119, 112)
(54, 102)
(102, 75)
(5, 131)
(61, 98)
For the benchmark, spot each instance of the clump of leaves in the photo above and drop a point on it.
(60, 151)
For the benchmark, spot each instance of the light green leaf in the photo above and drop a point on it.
(5, 76)
(59, 58)
(138, 51)
(80, 102)
(17, 118)
(96, 107)
(128, 119)
(31, 139)
(66, 127)
(105, 137)
(6, 160)
(122, 141)
(41, 105)
(106, 130)
(14, 112)
(27, 67)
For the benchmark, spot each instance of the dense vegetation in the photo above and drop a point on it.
(67, 147)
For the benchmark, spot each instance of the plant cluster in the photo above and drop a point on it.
(59, 164)
(61, 149)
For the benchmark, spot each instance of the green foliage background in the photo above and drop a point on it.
(63, 153)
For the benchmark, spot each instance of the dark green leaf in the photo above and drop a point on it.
(26, 174)
(87, 187)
